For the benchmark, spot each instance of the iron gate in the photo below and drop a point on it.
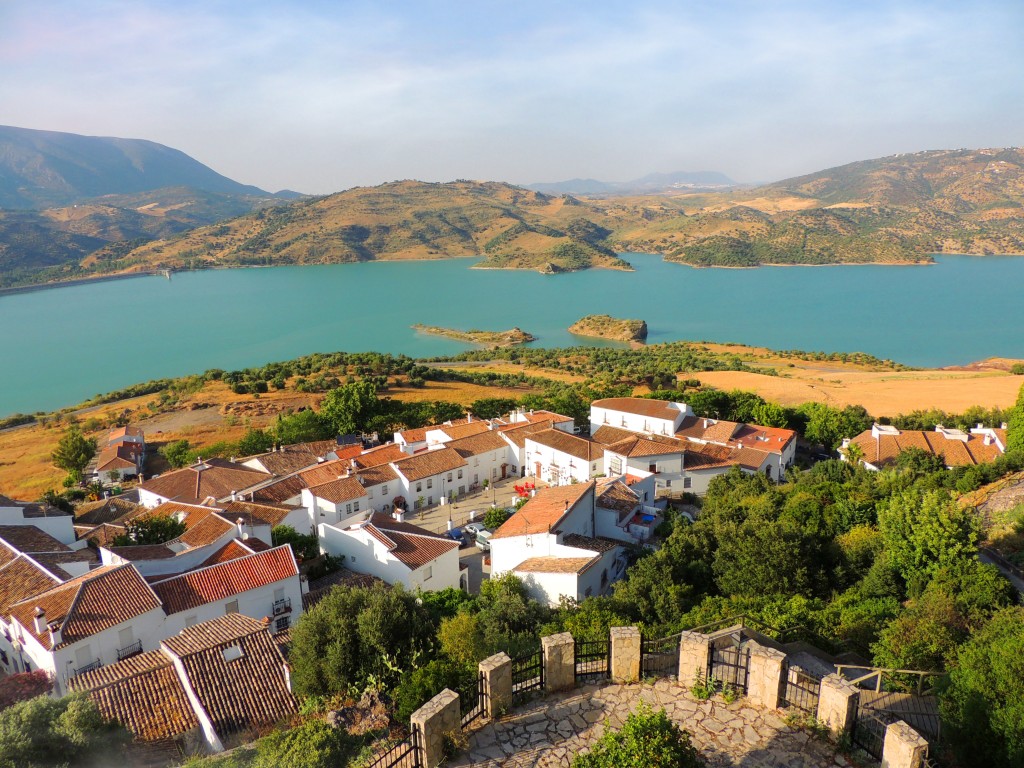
(728, 663)
(479, 709)
(659, 657)
(527, 674)
(404, 754)
(869, 731)
(803, 689)
(593, 659)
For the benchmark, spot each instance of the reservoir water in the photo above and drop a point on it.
(60, 346)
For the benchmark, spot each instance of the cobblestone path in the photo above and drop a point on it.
(551, 730)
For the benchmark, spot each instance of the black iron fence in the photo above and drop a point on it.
(479, 708)
(803, 689)
(659, 657)
(728, 662)
(869, 731)
(527, 674)
(593, 659)
(404, 754)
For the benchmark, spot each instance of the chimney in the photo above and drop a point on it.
(566, 505)
(40, 620)
(55, 636)
(469, 417)
(988, 439)
(240, 524)
(399, 515)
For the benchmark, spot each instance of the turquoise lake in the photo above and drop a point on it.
(63, 345)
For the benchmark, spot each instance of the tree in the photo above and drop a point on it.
(1015, 425)
(770, 415)
(350, 407)
(495, 517)
(255, 441)
(926, 531)
(461, 639)
(313, 744)
(304, 546)
(492, 407)
(357, 636)
(55, 733)
(178, 453)
(302, 427)
(154, 529)
(425, 683)
(74, 452)
(983, 707)
(854, 453)
(647, 739)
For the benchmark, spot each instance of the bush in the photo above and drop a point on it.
(304, 545)
(495, 517)
(426, 682)
(647, 739)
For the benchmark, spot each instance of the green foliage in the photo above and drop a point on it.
(462, 639)
(178, 453)
(301, 427)
(356, 637)
(349, 408)
(153, 529)
(304, 546)
(23, 686)
(495, 517)
(425, 683)
(255, 441)
(508, 618)
(492, 407)
(648, 739)
(314, 744)
(828, 426)
(54, 733)
(1015, 426)
(983, 707)
(74, 451)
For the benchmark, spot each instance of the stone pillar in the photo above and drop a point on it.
(497, 672)
(693, 657)
(837, 704)
(438, 719)
(626, 650)
(904, 747)
(559, 662)
(766, 676)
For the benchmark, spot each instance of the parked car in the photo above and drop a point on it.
(474, 528)
(457, 534)
(483, 539)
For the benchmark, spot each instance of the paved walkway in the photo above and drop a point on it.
(502, 493)
(551, 730)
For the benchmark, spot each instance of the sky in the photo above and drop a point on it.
(322, 96)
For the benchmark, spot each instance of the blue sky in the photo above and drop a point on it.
(319, 97)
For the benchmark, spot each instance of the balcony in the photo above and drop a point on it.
(283, 606)
(130, 650)
(88, 667)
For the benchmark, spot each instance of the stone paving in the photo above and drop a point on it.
(551, 730)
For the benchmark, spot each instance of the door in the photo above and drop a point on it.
(504, 468)
(536, 472)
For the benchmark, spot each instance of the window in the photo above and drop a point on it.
(281, 624)
(348, 509)
(476, 461)
(384, 490)
(686, 482)
(232, 653)
(615, 465)
(428, 572)
(3, 657)
(369, 494)
(430, 482)
(449, 477)
(279, 594)
(355, 506)
(430, 500)
(231, 607)
(460, 474)
(652, 468)
(476, 478)
(419, 487)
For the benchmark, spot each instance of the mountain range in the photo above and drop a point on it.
(897, 209)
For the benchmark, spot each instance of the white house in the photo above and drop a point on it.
(559, 458)
(206, 480)
(780, 443)
(51, 520)
(122, 460)
(398, 553)
(488, 456)
(551, 544)
(516, 436)
(621, 512)
(661, 456)
(430, 476)
(638, 414)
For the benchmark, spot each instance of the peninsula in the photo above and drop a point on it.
(608, 327)
(489, 339)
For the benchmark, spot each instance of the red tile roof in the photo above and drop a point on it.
(655, 409)
(221, 581)
(563, 442)
(21, 578)
(551, 564)
(474, 445)
(256, 513)
(544, 511)
(101, 599)
(339, 490)
(518, 433)
(638, 446)
(29, 538)
(615, 495)
(233, 550)
(104, 511)
(429, 464)
(117, 457)
(884, 450)
(411, 545)
(383, 454)
(212, 478)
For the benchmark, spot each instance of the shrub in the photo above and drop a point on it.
(647, 739)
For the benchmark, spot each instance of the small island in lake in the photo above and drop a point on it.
(608, 327)
(490, 339)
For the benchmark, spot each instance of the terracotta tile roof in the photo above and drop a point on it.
(278, 491)
(340, 490)
(563, 442)
(240, 693)
(121, 456)
(343, 577)
(32, 508)
(415, 435)
(456, 431)
(7, 554)
(233, 550)
(474, 445)
(144, 693)
(373, 476)
(608, 435)
(21, 578)
(709, 456)
(639, 446)
(384, 454)
(411, 545)
(206, 531)
(283, 462)
(213, 478)
(29, 538)
(101, 599)
(104, 511)
(257, 545)
(539, 416)
(101, 535)
(750, 458)
(590, 542)
(518, 433)
(772, 439)
(54, 562)
(219, 582)
(640, 406)
(551, 564)
(615, 495)
(127, 431)
(189, 514)
(544, 511)
(429, 464)
(323, 473)
(144, 552)
(887, 447)
(255, 513)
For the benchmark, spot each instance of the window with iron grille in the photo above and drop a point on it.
(282, 623)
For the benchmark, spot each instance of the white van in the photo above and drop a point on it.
(483, 539)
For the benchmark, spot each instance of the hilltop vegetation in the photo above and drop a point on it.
(897, 209)
(607, 327)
